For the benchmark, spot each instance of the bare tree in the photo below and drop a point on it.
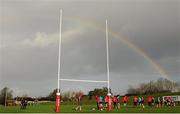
(161, 85)
(5, 94)
(68, 96)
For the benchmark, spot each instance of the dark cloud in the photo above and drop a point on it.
(29, 34)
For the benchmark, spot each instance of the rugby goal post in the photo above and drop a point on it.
(75, 80)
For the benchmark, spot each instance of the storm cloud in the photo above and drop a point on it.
(29, 33)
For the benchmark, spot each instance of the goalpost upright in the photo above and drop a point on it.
(107, 54)
(107, 65)
(75, 80)
(59, 54)
(59, 65)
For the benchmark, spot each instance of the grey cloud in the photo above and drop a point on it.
(151, 25)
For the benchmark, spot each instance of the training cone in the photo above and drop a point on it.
(57, 102)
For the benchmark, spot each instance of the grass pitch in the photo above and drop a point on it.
(50, 108)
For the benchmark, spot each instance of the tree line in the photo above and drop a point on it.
(162, 85)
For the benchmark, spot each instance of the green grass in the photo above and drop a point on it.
(49, 108)
(89, 104)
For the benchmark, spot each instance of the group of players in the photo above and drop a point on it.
(158, 102)
(102, 103)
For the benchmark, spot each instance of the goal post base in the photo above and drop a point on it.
(109, 102)
(58, 102)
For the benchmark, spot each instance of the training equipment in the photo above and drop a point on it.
(75, 80)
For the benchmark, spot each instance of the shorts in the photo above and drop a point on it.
(135, 103)
(157, 103)
(149, 103)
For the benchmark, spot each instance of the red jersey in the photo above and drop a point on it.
(135, 99)
(149, 99)
(152, 98)
(106, 99)
(169, 99)
(115, 99)
(97, 99)
(125, 98)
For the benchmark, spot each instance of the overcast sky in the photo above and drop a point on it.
(29, 43)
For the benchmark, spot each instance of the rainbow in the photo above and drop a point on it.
(123, 39)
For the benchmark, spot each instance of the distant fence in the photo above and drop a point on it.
(174, 98)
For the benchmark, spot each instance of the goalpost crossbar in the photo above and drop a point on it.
(75, 80)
